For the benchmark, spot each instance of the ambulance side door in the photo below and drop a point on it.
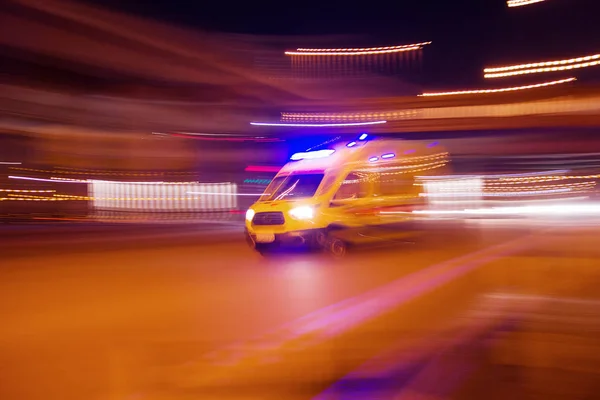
(352, 203)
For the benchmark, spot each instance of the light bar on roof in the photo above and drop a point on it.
(317, 125)
(356, 51)
(501, 90)
(311, 155)
(544, 66)
(519, 3)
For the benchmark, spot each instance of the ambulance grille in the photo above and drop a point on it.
(268, 218)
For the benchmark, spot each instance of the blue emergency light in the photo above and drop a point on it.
(311, 155)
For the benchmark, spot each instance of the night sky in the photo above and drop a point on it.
(467, 34)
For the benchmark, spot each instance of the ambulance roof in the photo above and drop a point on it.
(371, 153)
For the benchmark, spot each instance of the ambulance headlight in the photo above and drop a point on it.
(249, 214)
(303, 212)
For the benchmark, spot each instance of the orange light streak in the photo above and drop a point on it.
(501, 90)
(544, 66)
(356, 51)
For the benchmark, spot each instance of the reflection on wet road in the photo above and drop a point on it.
(164, 313)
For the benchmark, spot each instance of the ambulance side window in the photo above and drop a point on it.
(327, 184)
(391, 185)
(353, 187)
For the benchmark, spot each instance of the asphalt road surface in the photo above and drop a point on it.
(485, 310)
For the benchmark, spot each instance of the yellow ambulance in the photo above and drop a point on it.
(355, 184)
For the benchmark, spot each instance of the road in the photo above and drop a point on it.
(188, 311)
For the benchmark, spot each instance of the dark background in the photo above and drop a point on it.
(467, 35)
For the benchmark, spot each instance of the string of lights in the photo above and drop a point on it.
(321, 117)
(544, 66)
(356, 51)
(501, 90)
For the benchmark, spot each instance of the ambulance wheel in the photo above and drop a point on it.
(337, 247)
(263, 249)
(318, 241)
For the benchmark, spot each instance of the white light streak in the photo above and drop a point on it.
(28, 178)
(519, 3)
(228, 194)
(545, 210)
(317, 125)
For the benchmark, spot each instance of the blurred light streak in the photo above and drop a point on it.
(72, 171)
(318, 125)
(88, 172)
(544, 210)
(356, 51)
(430, 157)
(10, 163)
(24, 197)
(503, 186)
(509, 89)
(26, 191)
(544, 66)
(59, 180)
(218, 137)
(68, 180)
(364, 48)
(162, 196)
(228, 194)
(262, 168)
(29, 199)
(519, 3)
(70, 196)
(551, 178)
(360, 116)
(403, 170)
(225, 139)
(332, 140)
(142, 182)
(514, 201)
(501, 194)
(524, 175)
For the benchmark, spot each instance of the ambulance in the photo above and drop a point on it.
(350, 185)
